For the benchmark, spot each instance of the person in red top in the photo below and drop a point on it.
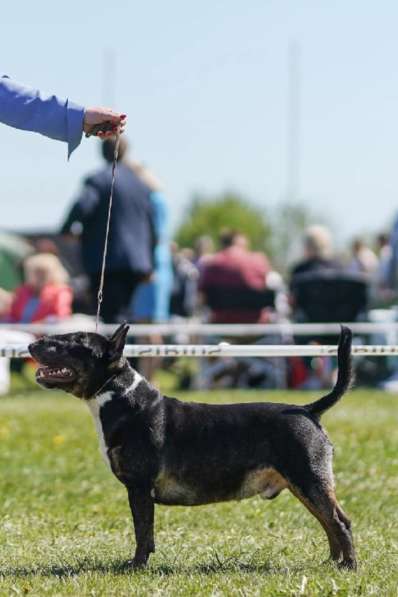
(228, 278)
(45, 294)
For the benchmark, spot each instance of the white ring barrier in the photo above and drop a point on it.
(211, 329)
(226, 350)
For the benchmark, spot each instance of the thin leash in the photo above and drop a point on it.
(98, 392)
(100, 295)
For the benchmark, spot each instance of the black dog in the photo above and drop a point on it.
(179, 453)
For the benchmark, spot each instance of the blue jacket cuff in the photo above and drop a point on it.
(75, 118)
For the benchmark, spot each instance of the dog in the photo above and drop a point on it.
(166, 451)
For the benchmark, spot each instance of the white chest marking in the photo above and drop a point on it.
(95, 405)
(137, 379)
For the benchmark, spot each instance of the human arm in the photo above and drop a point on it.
(83, 207)
(28, 109)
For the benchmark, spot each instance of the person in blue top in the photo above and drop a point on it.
(151, 302)
(132, 232)
(25, 108)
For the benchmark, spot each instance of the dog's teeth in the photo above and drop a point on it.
(55, 372)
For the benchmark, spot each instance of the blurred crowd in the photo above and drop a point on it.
(226, 283)
(149, 278)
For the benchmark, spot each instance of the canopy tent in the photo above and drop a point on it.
(13, 251)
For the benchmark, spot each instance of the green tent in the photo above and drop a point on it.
(13, 250)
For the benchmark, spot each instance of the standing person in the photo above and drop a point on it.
(151, 301)
(132, 236)
(26, 108)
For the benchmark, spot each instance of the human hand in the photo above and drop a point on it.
(103, 122)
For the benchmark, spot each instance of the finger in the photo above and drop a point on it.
(113, 117)
(104, 127)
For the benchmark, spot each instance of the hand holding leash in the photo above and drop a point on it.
(103, 122)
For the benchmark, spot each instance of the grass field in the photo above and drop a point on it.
(65, 526)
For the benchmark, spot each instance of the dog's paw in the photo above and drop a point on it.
(138, 562)
(348, 564)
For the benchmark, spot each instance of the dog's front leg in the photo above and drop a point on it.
(142, 509)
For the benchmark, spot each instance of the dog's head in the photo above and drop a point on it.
(78, 363)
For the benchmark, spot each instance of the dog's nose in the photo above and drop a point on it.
(31, 347)
(34, 345)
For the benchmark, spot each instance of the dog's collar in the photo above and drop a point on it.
(104, 384)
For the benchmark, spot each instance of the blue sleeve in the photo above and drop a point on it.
(29, 110)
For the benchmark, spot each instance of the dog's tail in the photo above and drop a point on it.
(343, 376)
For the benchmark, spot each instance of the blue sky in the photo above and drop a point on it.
(205, 88)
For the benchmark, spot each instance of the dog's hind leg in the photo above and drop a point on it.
(322, 503)
(142, 509)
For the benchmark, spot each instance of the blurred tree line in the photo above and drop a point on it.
(276, 231)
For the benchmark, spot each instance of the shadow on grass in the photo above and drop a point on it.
(123, 567)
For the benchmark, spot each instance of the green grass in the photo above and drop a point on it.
(65, 526)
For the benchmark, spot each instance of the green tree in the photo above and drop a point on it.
(209, 215)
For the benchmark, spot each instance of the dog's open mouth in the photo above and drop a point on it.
(55, 374)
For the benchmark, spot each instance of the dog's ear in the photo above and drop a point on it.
(117, 341)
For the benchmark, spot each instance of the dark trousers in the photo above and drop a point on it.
(119, 288)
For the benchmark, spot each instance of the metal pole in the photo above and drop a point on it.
(293, 123)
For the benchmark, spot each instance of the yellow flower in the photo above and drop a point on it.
(58, 440)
